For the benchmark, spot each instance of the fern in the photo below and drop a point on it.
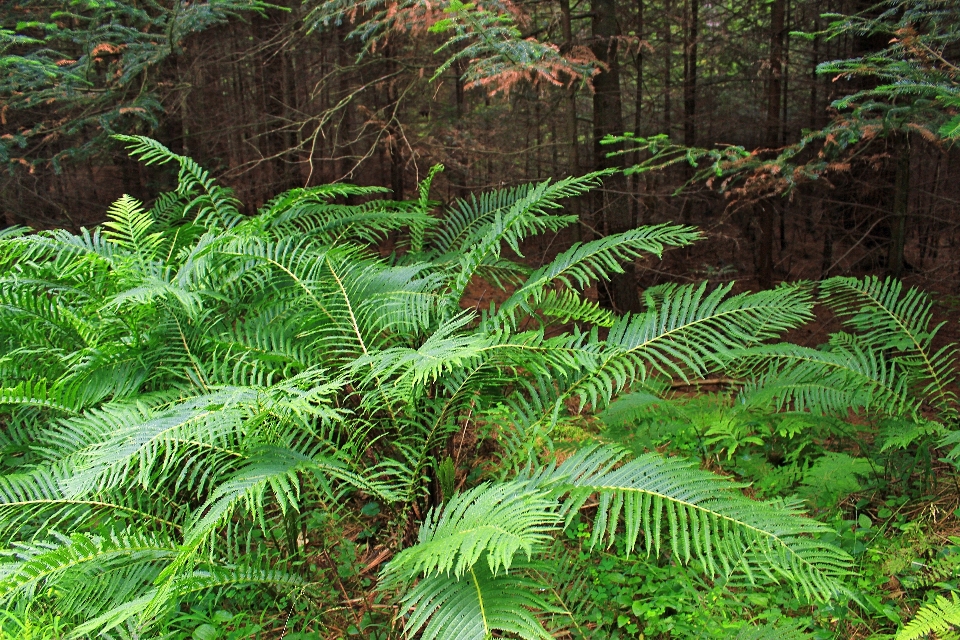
(886, 317)
(697, 515)
(941, 617)
(185, 388)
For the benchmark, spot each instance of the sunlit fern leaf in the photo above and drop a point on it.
(157, 287)
(941, 617)
(279, 471)
(39, 393)
(887, 317)
(830, 382)
(410, 369)
(367, 223)
(144, 610)
(526, 216)
(257, 351)
(209, 203)
(465, 220)
(40, 496)
(698, 515)
(151, 443)
(491, 521)
(568, 306)
(475, 606)
(583, 264)
(780, 630)
(32, 566)
(132, 228)
(688, 334)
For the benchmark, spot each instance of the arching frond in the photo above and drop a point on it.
(706, 519)
(941, 617)
(827, 382)
(278, 470)
(491, 521)
(525, 216)
(688, 333)
(474, 606)
(697, 515)
(887, 317)
(599, 259)
(33, 565)
(209, 203)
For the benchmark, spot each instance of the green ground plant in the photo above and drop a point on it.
(216, 423)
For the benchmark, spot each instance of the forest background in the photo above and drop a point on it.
(274, 96)
(807, 141)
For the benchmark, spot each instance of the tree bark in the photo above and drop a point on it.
(774, 86)
(572, 135)
(901, 199)
(691, 34)
(773, 128)
(608, 119)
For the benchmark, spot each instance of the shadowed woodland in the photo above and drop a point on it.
(433, 319)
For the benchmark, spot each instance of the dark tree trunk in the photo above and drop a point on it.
(691, 34)
(773, 129)
(608, 119)
(774, 85)
(572, 135)
(901, 198)
(667, 79)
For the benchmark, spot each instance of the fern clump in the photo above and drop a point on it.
(185, 388)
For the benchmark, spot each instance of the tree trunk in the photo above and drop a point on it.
(608, 119)
(691, 33)
(635, 189)
(901, 199)
(667, 80)
(572, 134)
(774, 89)
(774, 86)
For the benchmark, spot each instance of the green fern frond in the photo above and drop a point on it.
(698, 515)
(464, 222)
(495, 521)
(29, 566)
(707, 519)
(132, 228)
(688, 334)
(39, 393)
(887, 317)
(827, 382)
(568, 306)
(941, 617)
(29, 312)
(423, 206)
(209, 203)
(524, 217)
(475, 606)
(582, 264)
(40, 495)
(288, 201)
(278, 470)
